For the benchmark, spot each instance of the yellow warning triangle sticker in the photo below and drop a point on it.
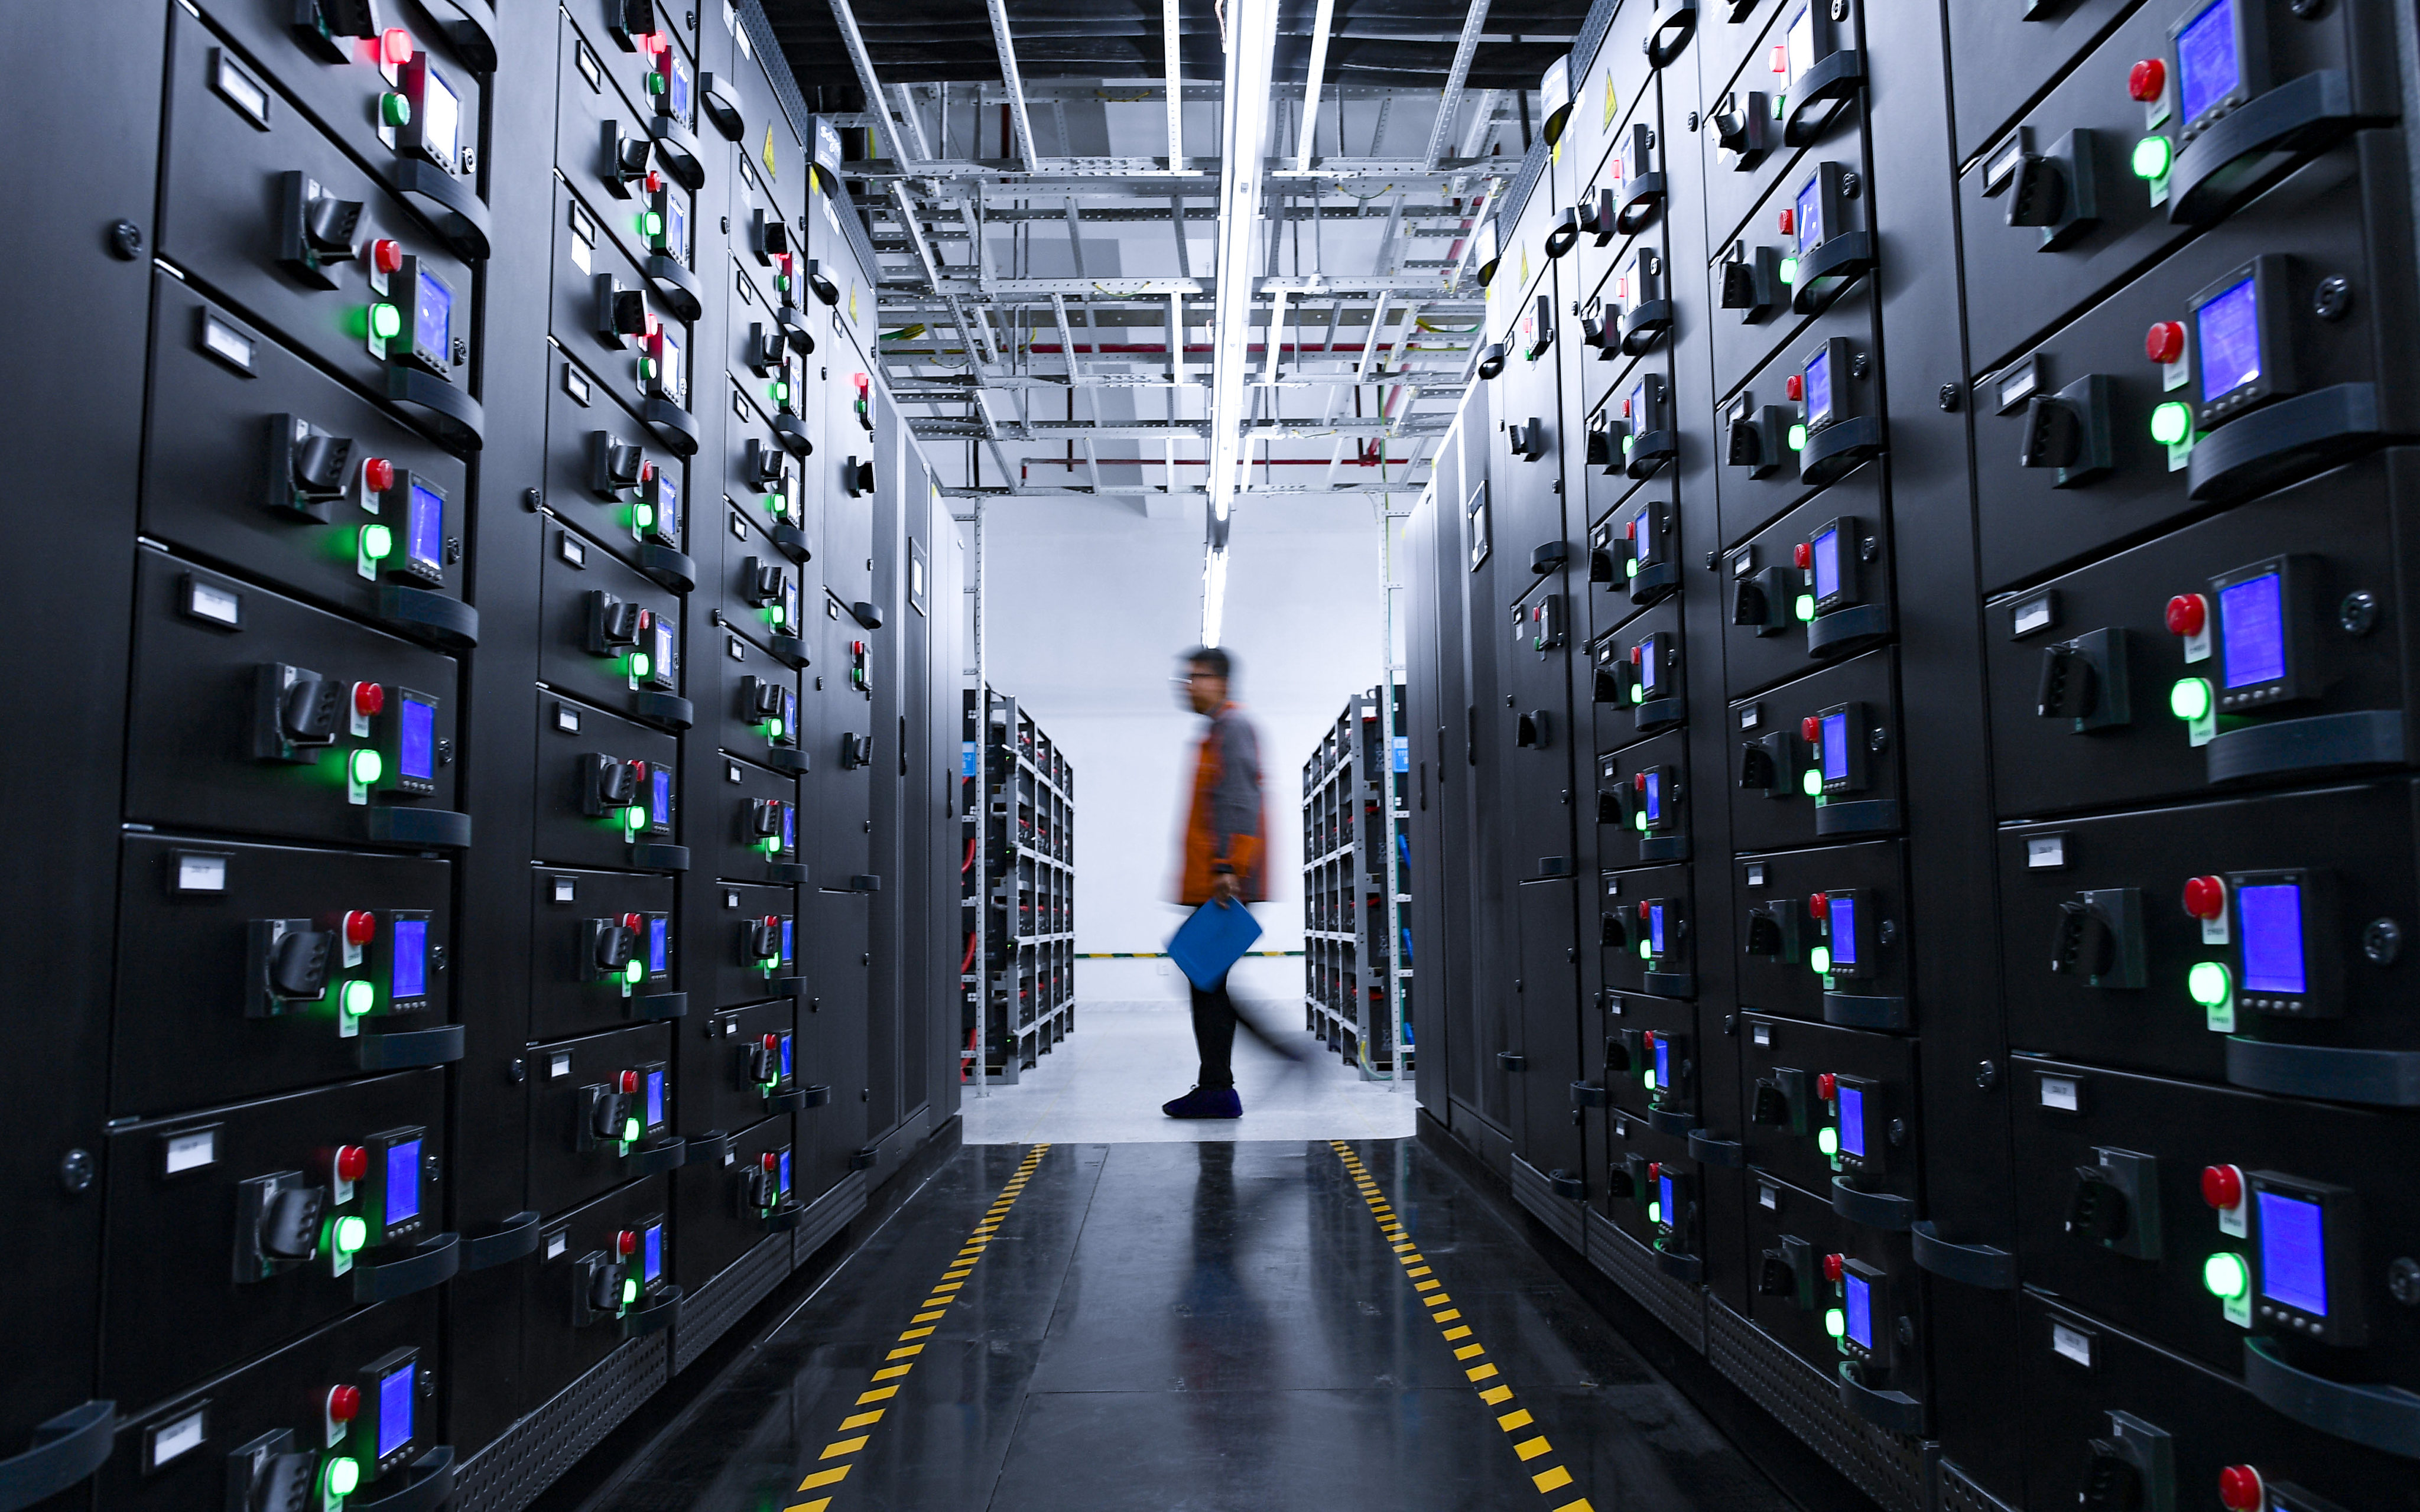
(773, 170)
(1611, 99)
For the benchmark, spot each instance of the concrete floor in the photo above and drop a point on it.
(1104, 1085)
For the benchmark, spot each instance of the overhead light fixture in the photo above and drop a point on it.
(1213, 594)
(1251, 41)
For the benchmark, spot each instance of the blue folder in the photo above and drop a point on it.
(1211, 941)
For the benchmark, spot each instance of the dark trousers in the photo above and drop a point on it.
(1214, 1035)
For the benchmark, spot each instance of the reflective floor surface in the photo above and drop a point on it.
(1210, 1327)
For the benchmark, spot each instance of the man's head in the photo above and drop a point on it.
(1204, 679)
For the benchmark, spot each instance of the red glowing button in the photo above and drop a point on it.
(1825, 1085)
(1788, 221)
(2222, 1187)
(1643, 907)
(2239, 1489)
(1834, 1265)
(629, 1081)
(2147, 80)
(386, 254)
(368, 699)
(353, 1163)
(1796, 386)
(654, 182)
(394, 45)
(1802, 556)
(1639, 782)
(2205, 897)
(2164, 341)
(1656, 1170)
(2187, 614)
(772, 1042)
(1819, 905)
(1638, 653)
(1630, 531)
(361, 927)
(378, 474)
(1811, 729)
(344, 1403)
(770, 1160)
(627, 1242)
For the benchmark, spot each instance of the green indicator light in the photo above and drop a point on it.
(644, 516)
(1820, 958)
(781, 282)
(1812, 783)
(352, 1234)
(368, 766)
(630, 1131)
(1655, 1213)
(395, 110)
(378, 542)
(655, 83)
(1646, 949)
(1648, 1076)
(1637, 694)
(776, 614)
(2171, 423)
(344, 1476)
(655, 225)
(2190, 698)
(1630, 568)
(1638, 822)
(2225, 1274)
(1828, 1141)
(2206, 983)
(629, 1291)
(1790, 271)
(386, 321)
(773, 729)
(781, 394)
(1834, 1323)
(1805, 608)
(358, 998)
(1629, 444)
(1798, 438)
(640, 664)
(772, 844)
(646, 367)
(2152, 155)
(635, 816)
(634, 972)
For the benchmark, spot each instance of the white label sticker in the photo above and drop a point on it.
(227, 343)
(588, 68)
(2031, 615)
(1755, 874)
(2045, 850)
(2074, 1343)
(1768, 1197)
(571, 548)
(1764, 1034)
(567, 719)
(1751, 717)
(211, 602)
(574, 385)
(191, 1151)
(564, 890)
(559, 1064)
(177, 1438)
(555, 1244)
(579, 253)
(2059, 1093)
(201, 873)
(238, 89)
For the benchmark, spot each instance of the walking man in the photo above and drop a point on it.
(1225, 854)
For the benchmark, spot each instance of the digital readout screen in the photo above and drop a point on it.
(433, 323)
(1802, 42)
(417, 750)
(441, 120)
(785, 1046)
(670, 359)
(789, 828)
(425, 534)
(1654, 796)
(1672, 1212)
(1836, 748)
(655, 1098)
(1648, 678)
(1819, 387)
(677, 91)
(409, 977)
(2206, 63)
(2293, 1253)
(1844, 931)
(785, 955)
(659, 946)
(785, 1171)
(2251, 629)
(395, 1410)
(664, 657)
(653, 1266)
(1810, 214)
(660, 785)
(675, 227)
(1656, 934)
(1663, 1061)
(1861, 1310)
(668, 503)
(1827, 563)
(2229, 328)
(402, 1183)
(1852, 1122)
(1636, 407)
(2273, 938)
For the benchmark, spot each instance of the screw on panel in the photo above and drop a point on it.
(76, 1172)
(2403, 1281)
(1951, 395)
(2381, 941)
(516, 1073)
(1986, 1076)
(2332, 299)
(126, 239)
(2358, 613)
(531, 499)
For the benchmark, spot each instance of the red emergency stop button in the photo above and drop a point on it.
(394, 45)
(1788, 221)
(1835, 1266)
(361, 927)
(1638, 783)
(1819, 905)
(2205, 897)
(2239, 1489)
(353, 1163)
(770, 1160)
(1825, 1085)
(629, 1078)
(2164, 341)
(654, 182)
(1802, 556)
(2222, 1187)
(1811, 729)
(1796, 386)
(2187, 613)
(379, 473)
(627, 1242)
(386, 254)
(344, 1403)
(368, 699)
(772, 1042)
(2147, 80)
(1656, 1170)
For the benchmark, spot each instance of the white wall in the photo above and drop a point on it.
(1089, 603)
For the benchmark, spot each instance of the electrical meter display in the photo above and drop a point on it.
(395, 1392)
(408, 974)
(651, 1251)
(2272, 916)
(2293, 1253)
(402, 1191)
(2227, 330)
(1827, 564)
(1843, 910)
(2252, 630)
(1818, 389)
(416, 749)
(1809, 220)
(658, 945)
(423, 533)
(2209, 63)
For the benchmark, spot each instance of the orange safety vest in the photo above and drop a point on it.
(1245, 852)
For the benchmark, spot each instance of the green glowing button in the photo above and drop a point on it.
(1637, 694)
(629, 1291)
(1798, 438)
(655, 225)
(1646, 948)
(344, 1476)
(1630, 568)
(1820, 958)
(1834, 1323)
(1638, 822)
(1828, 1141)
(630, 1131)
(368, 766)
(635, 816)
(378, 542)
(395, 110)
(1655, 1213)
(2190, 698)
(2152, 155)
(655, 83)
(646, 367)
(2206, 983)
(352, 1233)
(1790, 271)
(1812, 783)
(386, 321)
(773, 729)
(358, 998)
(2171, 423)
(640, 664)
(1648, 1076)
(643, 515)
(1805, 608)
(775, 614)
(781, 394)
(634, 972)
(772, 844)
(2225, 1274)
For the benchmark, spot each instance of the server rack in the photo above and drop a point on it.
(1026, 975)
(1356, 928)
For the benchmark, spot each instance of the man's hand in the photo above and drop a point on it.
(1225, 889)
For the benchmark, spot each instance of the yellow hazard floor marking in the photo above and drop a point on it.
(1425, 1284)
(944, 1292)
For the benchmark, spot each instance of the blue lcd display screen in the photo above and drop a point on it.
(1860, 1296)
(2293, 1253)
(785, 1058)
(668, 503)
(1654, 796)
(663, 663)
(433, 323)
(659, 946)
(1647, 667)
(1844, 931)
(1636, 407)
(652, 1267)
(1836, 748)
(789, 828)
(785, 1171)
(1827, 563)
(1852, 1122)
(660, 785)
(1810, 214)
(1671, 1214)
(402, 1182)
(676, 228)
(1656, 938)
(1663, 1061)
(655, 1098)
(409, 976)
(785, 955)
(395, 1410)
(1819, 387)
(2230, 330)
(2206, 65)
(2251, 629)
(425, 534)
(678, 92)
(2273, 938)
(416, 751)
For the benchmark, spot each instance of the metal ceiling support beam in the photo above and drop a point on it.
(1312, 83)
(863, 62)
(1052, 490)
(1480, 120)
(1473, 24)
(1006, 47)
